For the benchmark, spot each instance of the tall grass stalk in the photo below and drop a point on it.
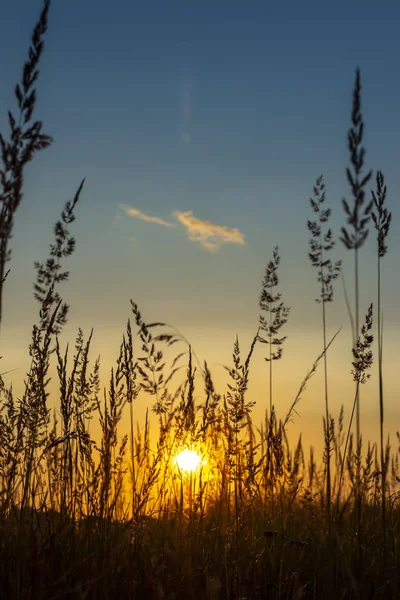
(362, 362)
(381, 218)
(320, 243)
(26, 138)
(358, 215)
(278, 314)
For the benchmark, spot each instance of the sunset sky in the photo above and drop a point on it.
(200, 128)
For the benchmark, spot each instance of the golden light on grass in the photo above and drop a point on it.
(189, 460)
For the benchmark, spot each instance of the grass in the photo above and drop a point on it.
(322, 242)
(114, 516)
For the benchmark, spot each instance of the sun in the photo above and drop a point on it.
(188, 460)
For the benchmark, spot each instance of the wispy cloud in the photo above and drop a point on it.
(134, 212)
(208, 234)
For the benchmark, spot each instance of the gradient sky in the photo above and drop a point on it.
(201, 115)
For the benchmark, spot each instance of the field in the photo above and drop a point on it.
(198, 500)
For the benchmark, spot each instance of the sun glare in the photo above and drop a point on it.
(188, 460)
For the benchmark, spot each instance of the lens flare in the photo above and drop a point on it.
(188, 460)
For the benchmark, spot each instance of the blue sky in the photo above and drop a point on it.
(225, 112)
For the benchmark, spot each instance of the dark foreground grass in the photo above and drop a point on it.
(197, 558)
(115, 516)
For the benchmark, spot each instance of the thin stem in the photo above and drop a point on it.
(357, 398)
(346, 445)
(383, 465)
(270, 360)
(327, 417)
(132, 458)
(357, 308)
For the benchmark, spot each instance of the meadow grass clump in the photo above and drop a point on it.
(117, 515)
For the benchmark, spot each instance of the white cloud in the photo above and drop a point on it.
(134, 212)
(208, 234)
